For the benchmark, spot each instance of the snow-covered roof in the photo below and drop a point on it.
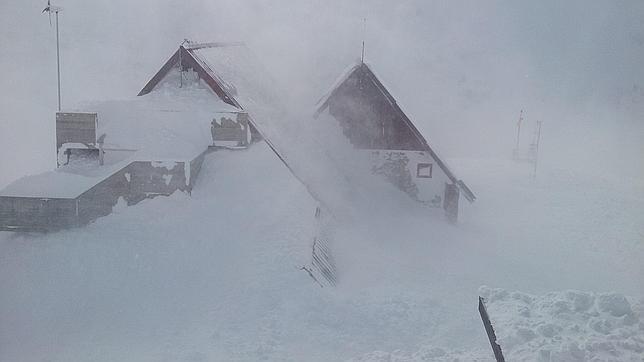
(170, 124)
(65, 182)
(159, 123)
(235, 75)
(244, 80)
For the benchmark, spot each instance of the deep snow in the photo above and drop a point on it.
(214, 276)
(566, 326)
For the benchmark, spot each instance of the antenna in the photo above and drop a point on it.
(515, 153)
(56, 10)
(364, 32)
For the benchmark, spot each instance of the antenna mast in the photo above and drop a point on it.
(364, 32)
(55, 9)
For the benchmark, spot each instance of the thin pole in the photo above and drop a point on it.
(58, 59)
(519, 128)
(364, 33)
(536, 154)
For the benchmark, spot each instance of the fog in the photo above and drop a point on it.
(461, 69)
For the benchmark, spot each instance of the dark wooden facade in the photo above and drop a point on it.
(369, 117)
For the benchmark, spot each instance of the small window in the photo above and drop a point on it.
(424, 170)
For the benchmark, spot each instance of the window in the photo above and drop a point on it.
(424, 170)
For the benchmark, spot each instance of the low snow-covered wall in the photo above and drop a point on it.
(135, 182)
(566, 326)
(149, 179)
(36, 213)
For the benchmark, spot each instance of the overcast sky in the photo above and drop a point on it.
(462, 69)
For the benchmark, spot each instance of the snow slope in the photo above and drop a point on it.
(214, 276)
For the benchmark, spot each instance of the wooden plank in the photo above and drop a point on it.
(496, 348)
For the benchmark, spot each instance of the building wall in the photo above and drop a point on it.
(36, 214)
(401, 168)
(367, 117)
(100, 199)
(150, 178)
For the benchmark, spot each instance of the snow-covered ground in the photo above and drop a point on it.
(214, 276)
(567, 326)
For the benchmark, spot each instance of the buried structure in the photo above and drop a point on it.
(207, 96)
(134, 149)
(374, 123)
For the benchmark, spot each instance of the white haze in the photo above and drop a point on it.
(461, 69)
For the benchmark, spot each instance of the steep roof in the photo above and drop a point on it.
(237, 78)
(229, 69)
(363, 71)
(235, 75)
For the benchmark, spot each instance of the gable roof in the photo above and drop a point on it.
(185, 57)
(234, 74)
(363, 70)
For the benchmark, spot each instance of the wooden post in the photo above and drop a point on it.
(450, 203)
(496, 348)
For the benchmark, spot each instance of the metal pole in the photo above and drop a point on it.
(58, 59)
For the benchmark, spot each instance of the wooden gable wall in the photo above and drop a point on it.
(369, 118)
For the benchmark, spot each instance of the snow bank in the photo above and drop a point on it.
(215, 276)
(566, 326)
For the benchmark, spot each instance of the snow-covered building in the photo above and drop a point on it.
(207, 96)
(130, 149)
(374, 123)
